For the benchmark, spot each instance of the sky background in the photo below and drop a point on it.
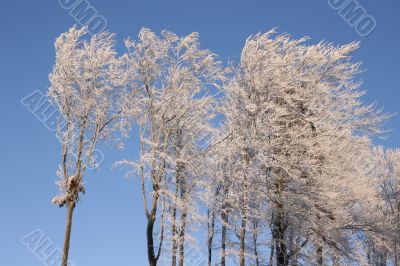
(109, 222)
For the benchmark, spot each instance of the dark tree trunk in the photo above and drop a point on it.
(224, 219)
(71, 207)
(271, 255)
(150, 242)
(182, 230)
(182, 240)
(279, 224)
(369, 255)
(149, 231)
(174, 231)
(244, 203)
(279, 229)
(255, 242)
(320, 259)
(280, 244)
(242, 241)
(210, 233)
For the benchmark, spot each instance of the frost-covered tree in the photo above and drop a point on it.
(289, 104)
(275, 160)
(170, 86)
(390, 191)
(83, 83)
(380, 234)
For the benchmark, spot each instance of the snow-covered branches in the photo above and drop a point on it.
(83, 87)
(275, 156)
(170, 82)
(299, 135)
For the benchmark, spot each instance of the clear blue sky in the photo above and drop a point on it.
(109, 224)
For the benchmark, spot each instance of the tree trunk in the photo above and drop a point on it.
(279, 235)
(271, 255)
(71, 207)
(174, 231)
(242, 241)
(280, 244)
(369, 255)
(223, 238)
(150, 242)
(244, 206)
(224, 219)
(255, 242)
(279, 226)
(320, 258)
(182, 221)
(210, 233)
(149, 231)
(182, 240)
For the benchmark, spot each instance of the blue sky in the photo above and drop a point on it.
(109, 223)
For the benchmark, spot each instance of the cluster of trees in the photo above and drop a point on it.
(271, 161)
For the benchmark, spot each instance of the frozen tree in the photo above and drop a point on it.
(170, 86)
(83, 83)
(380, 236)
(391, 189)
(217, 184)
(275, 159)
(289, 104)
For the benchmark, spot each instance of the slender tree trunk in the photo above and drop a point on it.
(279, 226)
(244, 203)
(255, 242)
(210, 233)
(150, 242)
(320, 258)
(182, 222)
(271, 255)
(242, 241)
(71, 207)
(174, 231)
(369, 255)
(224, 219)
(149, 232)
(182, 240)
(279, 235)
(151, 216)
(280, 244)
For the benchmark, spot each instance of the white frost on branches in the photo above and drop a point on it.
(274, 157)
(83, 87)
